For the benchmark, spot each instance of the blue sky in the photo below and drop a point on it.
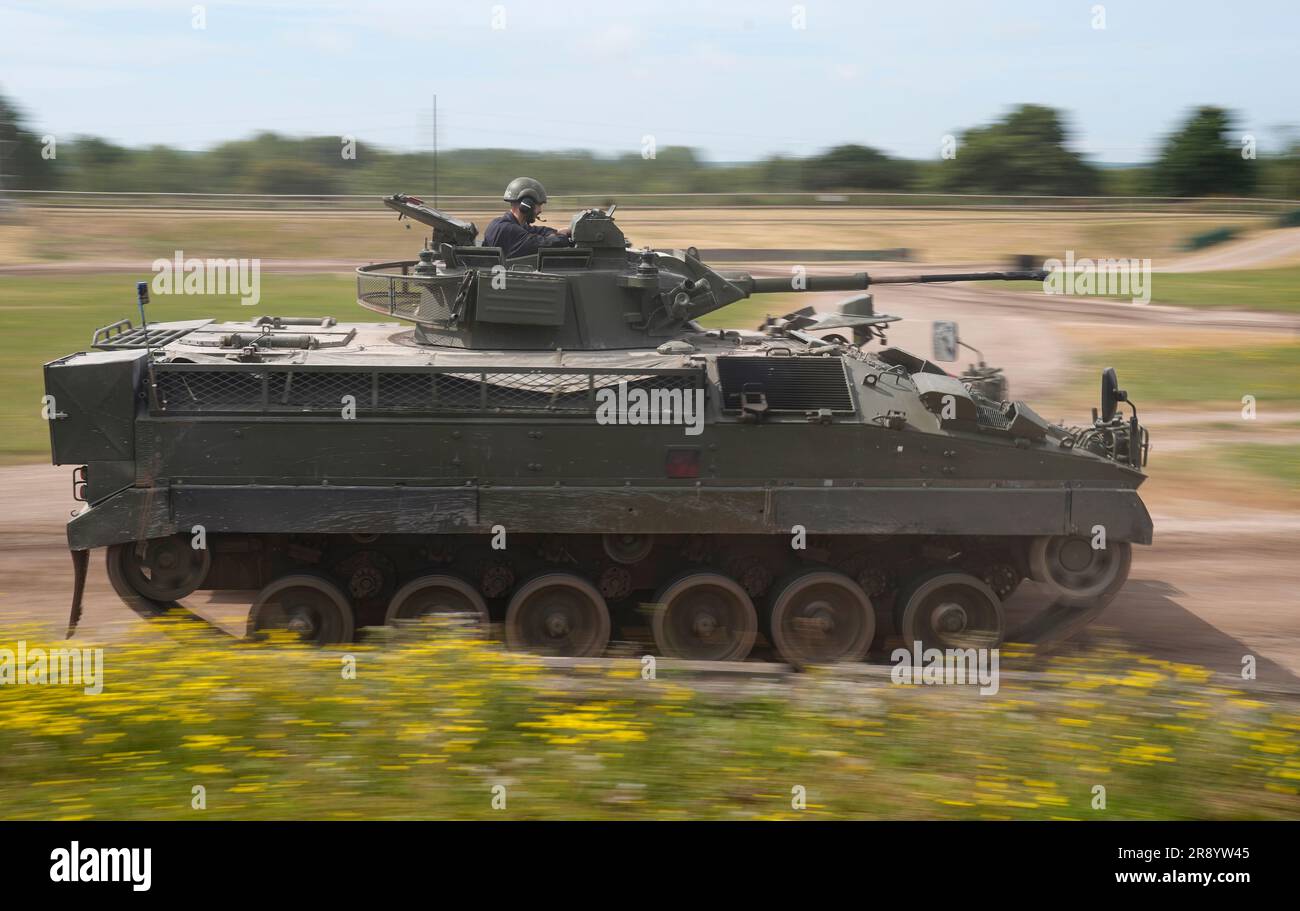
(735, 80)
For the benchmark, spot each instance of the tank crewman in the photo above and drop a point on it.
(514, 232)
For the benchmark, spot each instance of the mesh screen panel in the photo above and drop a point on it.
(306, 391)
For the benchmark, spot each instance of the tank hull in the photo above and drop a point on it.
(724, 489)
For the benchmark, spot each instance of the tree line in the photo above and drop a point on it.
(1025, 152)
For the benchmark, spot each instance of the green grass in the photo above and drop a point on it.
(1252, 474)
(1242, 289)
(430, 724)
(1202, 375)
(1272, 461)
(1245, 289)
(43, 318)
(750, 313)
(109, 235)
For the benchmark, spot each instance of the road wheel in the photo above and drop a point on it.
(445, 596)
(949, 609)
(704, 616)
(558, 614)
(821, 617)
(312, 606)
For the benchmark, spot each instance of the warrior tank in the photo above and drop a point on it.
(553, 443)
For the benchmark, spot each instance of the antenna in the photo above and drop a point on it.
(435, 150)
(142, 297)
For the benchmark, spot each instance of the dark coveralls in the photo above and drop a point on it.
(520, 240)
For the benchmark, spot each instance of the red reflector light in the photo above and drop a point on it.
(682, 463)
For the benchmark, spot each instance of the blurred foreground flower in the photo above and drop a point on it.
(438, 723)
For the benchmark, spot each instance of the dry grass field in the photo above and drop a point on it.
(936, 236)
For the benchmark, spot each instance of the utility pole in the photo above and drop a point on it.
(435, 150)
(5, 203)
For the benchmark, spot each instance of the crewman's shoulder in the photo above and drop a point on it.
(496, 228)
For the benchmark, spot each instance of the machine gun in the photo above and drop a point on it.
(447, 229)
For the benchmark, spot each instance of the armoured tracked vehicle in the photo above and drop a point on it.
(554, 443)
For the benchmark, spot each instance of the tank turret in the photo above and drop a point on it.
(596, 294)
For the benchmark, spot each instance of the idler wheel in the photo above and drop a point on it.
(948, 609)
(312, 606)
(445, 596)
(159, 569)
(1075, 573)
(558, 614)
(821, 617)
(704, 616)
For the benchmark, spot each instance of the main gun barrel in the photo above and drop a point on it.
(1033, 275)
(860, 281)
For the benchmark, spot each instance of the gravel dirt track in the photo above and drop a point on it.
(1270, 248)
